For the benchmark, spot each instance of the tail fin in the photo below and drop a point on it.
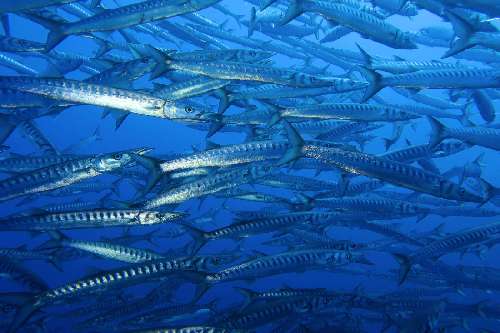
(249, 296)
(198, 235)
(367, 59)
(55, 242)
(225, 100)
(251, 23)
(489, 189)
(464, 31)
(296, 143)
(7, 126)
(437, 131)
(56, 34)
(153, 165)
(104, 47)
(215, 126)
(295, 8)
(375, 82)
(6, 24)
(405, 266)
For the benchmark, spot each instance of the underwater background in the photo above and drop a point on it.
(84, 129)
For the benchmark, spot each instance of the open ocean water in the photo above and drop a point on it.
(325, 230)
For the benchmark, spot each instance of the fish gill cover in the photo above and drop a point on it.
(249, 166)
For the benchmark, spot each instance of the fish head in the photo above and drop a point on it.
(405, 40)
(114, 161)
(185, 110)
(350, 85)
(449, 147)
(459, 192)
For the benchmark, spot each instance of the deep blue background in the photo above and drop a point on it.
(165, 136)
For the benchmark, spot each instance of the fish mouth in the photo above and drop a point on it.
(142, 151)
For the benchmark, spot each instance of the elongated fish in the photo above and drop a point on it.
(60, 175)
(394, 172)
(104, 249)
(467, 78)
(99, 95)
(231, 70)
(103, 282)
(207, 185)
(286, 262)
(358, 20)
(343, 111)
(448, 244)
(86, 219)
(123, 17)
(476, 135)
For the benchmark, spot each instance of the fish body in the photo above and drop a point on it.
(468, 78)
(284, 262)
(86, 219)
(394, 172)
(60, 175)
(126, 16)
(358, 20)
(447, 244)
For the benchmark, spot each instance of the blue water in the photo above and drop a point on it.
(79, 122)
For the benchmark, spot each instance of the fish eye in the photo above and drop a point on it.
(158, 215)
(189, 109)
(117, 156)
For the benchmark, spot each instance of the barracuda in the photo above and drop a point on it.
(446, 245)
(30, 163)
(418, 152)
(477, 135)
(37, 137)
(127, 276)
(207, 185)
(86, 219)
(15, 99)
(396, 208)
(99, 95)
(273, 311)
(66, 173)
(104, 249)
(393, 172)
(401, 66)
(277, 91)
(11, 44)
(123, 17)
(467, 78)
(247, 228)
(358, 20)
(240, 71)
(343, 111)
(194, 87)
(286, 262)
(11, 268)
(254, 44)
